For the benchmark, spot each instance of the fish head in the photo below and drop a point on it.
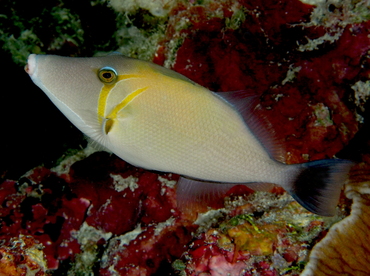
(75, 85)
(99, 96)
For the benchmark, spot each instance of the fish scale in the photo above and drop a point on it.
(157, 119)
(200, 140)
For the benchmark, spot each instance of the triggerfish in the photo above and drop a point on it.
(157, 119)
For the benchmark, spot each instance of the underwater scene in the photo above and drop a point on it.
(295, 72)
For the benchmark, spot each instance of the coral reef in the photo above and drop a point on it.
(268, 239)
(90, 213)
(74, 215)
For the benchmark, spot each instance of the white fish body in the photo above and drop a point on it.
(158, 119)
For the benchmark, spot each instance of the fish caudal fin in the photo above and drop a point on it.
(318, 185)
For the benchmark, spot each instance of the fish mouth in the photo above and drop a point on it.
(31, 64)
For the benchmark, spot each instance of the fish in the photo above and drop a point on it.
(157, 119)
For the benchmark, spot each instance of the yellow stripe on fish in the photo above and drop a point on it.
(106, 89)
(111, 117)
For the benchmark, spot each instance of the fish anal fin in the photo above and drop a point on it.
(247, 103)
(239, 190)
(261, 187)
(194, 196)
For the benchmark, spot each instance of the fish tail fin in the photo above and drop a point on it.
(318, 184)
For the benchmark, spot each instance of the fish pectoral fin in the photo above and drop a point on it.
(95, 131)
(246, 102)
(107, 125)
(96, 145)
(261, 187)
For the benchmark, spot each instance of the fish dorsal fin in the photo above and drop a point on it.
(115, 53)
(246, 102)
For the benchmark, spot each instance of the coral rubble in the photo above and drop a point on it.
(270, 241)
(22, 255)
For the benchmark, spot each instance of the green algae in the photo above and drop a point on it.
(56, 27)
(22, 36)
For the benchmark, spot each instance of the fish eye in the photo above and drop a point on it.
(107, 75)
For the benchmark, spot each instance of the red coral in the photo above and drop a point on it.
(149, 251)
(56, 214)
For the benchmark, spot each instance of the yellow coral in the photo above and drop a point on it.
(32, 261)
(257, 242)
